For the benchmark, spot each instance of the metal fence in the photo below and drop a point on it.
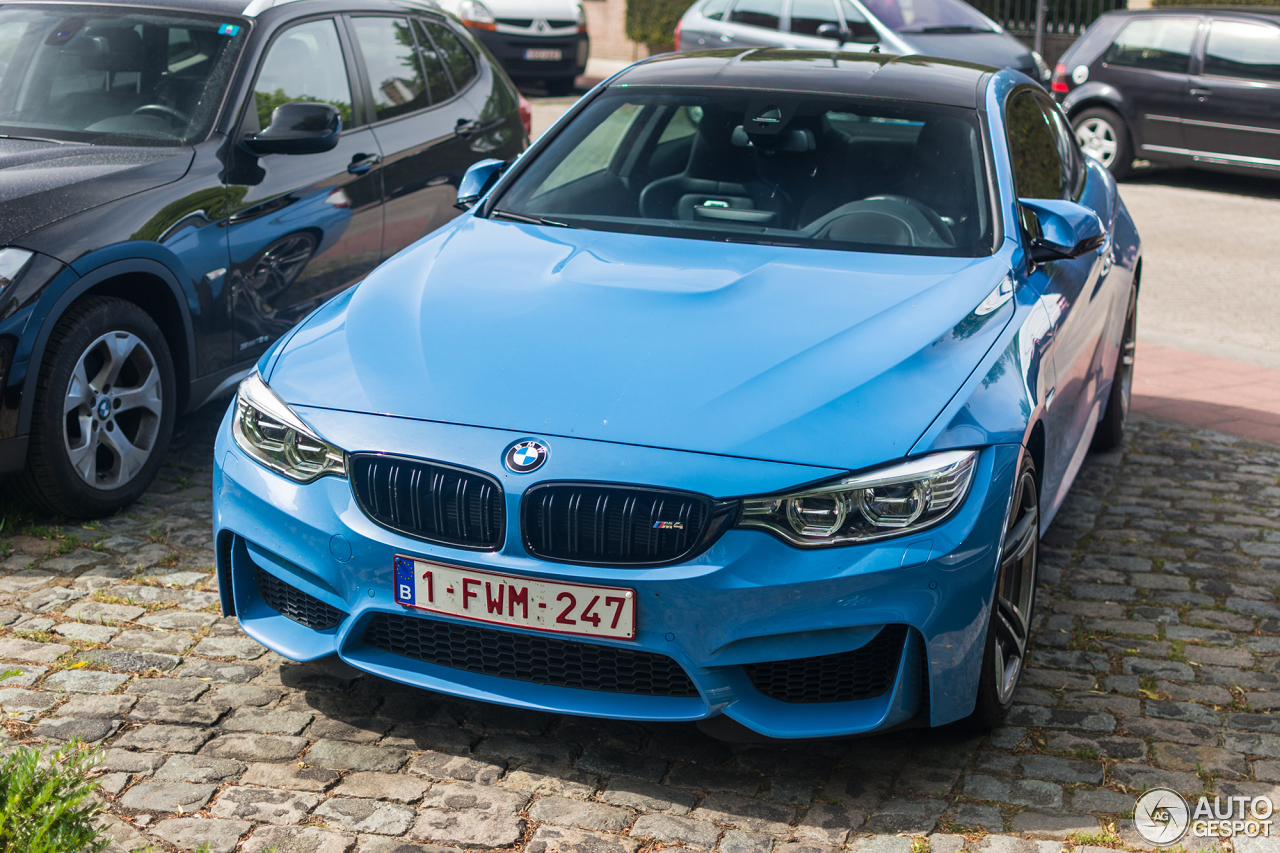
(1057, 23)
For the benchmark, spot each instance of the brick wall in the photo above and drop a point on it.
(606, 21)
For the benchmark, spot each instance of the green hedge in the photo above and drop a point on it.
(1214, 3)
(654, 21)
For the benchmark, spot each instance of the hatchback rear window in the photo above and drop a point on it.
(1154, 43)
(774, 168)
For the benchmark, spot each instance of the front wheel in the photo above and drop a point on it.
(1110, 430)
(103, 413)
(1103, 135)
(1005, 652)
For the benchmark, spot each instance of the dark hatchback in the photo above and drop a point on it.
(183, 182)
(1186, 86)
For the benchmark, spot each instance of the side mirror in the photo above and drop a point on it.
(1059, 229)
(833, 32)
(478, 180)
(298, 127)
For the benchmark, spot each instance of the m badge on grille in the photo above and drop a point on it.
(525, 456)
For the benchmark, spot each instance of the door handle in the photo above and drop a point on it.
(466, 127)
(362, 163)
(725, 38)
(1201, 93)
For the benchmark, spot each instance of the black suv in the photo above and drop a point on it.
(1181, 85)
(182, 182)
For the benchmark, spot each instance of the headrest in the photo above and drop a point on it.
(108, 49)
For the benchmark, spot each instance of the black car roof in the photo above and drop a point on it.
(1261, 11)
(251, 8)
(908, 78)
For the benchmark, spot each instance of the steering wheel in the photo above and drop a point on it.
(943, 230)
(175, 116)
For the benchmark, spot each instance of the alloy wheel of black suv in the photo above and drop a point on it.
(183, 182)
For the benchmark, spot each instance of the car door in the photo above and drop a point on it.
(754, 23)
(706, 28)
(302, 227)
(422, 127)
(1233, 108)
(1047, 165)
(1149, 62)
(804, 17)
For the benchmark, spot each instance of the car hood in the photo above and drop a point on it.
(43, 182)
(998, 50)
(830, 358)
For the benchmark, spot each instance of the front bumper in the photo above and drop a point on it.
(509, 50)
(749, 598)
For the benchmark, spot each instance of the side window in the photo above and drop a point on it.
(1038, 170)
(303, 64)
(682, 124)
(1237, 49)
(1068, 149)
(596, 151)
(433, 63)
(391, 57)
(714, 9)
(1155, 44)
(855, 21)
(459, 61)
(808, 15)
(757, 13)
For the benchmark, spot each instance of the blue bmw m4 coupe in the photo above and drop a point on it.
(748, 390)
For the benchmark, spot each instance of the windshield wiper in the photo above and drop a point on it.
(34, 139)
(527, 219)
(952, 29)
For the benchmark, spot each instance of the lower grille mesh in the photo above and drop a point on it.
(542, 660)
(296, 604)
(860, 674)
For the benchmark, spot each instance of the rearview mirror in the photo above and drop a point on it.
(478, 180)
(1058, 229)
(298, 127)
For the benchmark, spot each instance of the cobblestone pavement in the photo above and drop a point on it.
(1156, 663)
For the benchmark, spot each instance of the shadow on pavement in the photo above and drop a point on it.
(1254, 186)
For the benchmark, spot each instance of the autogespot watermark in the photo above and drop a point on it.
(1164, 817)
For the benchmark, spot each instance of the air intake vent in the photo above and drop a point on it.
(296, 604)
(542, 660)
(863, 673)
(606, 525)
(429, 500)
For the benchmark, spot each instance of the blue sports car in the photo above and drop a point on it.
(748, 390)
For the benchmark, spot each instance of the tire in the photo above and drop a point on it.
(560, 86)
(1005, 648)
(103, 413)
(1110, 431)
(1103, 134)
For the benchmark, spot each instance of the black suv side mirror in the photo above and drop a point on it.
(298, 127)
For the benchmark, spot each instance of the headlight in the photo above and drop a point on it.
(892, 501)
(11, 263)
(1042, 68)
(477, 15)
(271, 433)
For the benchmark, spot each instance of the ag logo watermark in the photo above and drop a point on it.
(1164, 817)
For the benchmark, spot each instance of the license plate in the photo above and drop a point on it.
(542, 54)
(565, 608)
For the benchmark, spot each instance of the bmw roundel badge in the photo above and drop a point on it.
(525, 456)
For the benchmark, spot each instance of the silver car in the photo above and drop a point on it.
(947, 28)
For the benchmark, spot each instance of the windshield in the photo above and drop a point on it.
(112, 75)
(929, 16)
(759, 167)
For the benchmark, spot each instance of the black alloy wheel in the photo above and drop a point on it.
(1110, 432)
(1009, 631)
(105, 402)
(279, 265)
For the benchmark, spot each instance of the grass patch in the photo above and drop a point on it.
(1105, 837)
(46, 804)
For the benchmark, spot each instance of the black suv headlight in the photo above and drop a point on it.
(892, 501)
(269, 431)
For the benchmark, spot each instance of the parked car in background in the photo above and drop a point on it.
(951, 29)
(183, 182)
(535, 40)
(750, 416)
(1179, 85)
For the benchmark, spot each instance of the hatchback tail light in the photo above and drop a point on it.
(1059, 79)
(526, 115)
(678, 23)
